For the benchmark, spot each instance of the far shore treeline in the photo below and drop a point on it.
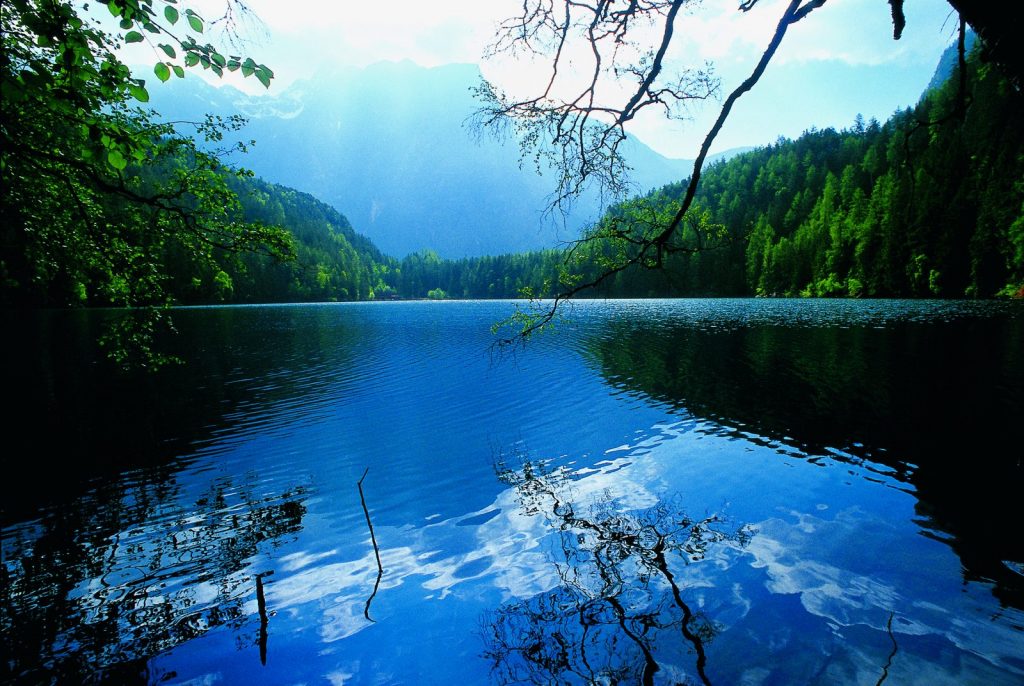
(928, 204)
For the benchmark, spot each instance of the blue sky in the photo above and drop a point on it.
(838, 62)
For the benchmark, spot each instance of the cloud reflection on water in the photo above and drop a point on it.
(847, 568)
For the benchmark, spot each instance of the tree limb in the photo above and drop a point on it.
(651, 250)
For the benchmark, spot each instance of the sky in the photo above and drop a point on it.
(839, 61)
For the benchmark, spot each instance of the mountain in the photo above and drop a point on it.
(928, 204)
(390, 147)
(727, 154)
(332, 261)
(949, 60)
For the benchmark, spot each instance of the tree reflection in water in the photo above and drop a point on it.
(618, 614)
(95, 589)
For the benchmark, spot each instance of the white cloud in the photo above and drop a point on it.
(359, 33)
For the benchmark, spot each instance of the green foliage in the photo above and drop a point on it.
(437, 294)
(493, 276)
(98, 193)
(332, 262)
(861, 212)
(129, 338)
(854, 287)
(926, 205)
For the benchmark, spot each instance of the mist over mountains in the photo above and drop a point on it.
(392, 148)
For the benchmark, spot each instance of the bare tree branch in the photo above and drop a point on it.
(649, 248)
(577, 130)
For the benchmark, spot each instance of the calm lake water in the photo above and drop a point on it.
(695, 491)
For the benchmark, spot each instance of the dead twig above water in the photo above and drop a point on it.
(376, 549)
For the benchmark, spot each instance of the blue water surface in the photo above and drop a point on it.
(696, 491)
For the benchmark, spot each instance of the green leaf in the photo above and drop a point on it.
(178, 71)
(263, 77)
(191, 59)
(162, 71)
(218, 59)
(127, 24)
(116, 160)
(171, 14)
(138, 92)
(195, 22)
(168, 50)
(14, 90)
(233, 65)
(133, 37)
(248, 70)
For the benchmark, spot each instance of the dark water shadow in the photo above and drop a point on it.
(75, 420)
(95, 589)
(936, 405)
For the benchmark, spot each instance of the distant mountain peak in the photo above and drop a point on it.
(948, 61)
(388, 146)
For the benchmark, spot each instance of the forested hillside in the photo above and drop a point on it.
(498, 276)
(929, 204)
(332, 261)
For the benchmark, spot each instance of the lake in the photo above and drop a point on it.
(659, 492)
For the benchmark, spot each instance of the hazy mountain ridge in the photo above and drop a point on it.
(949, 60)
(390, 146)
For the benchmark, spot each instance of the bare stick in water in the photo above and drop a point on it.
(261, 604)
(376, 550)
(895, 647)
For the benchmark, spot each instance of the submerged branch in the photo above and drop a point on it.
(376, 549)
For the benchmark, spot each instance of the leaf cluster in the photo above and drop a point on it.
(96, 191)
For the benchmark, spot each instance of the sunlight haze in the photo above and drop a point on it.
(839, 62)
